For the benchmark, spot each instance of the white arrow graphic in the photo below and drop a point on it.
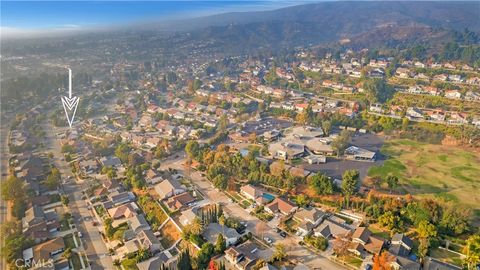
(70, 103)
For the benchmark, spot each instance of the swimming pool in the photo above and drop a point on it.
(268, 197)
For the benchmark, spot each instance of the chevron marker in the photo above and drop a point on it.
(70, 103)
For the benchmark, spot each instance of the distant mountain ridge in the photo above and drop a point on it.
(332, 21)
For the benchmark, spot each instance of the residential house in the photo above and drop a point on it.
(369, 242)
(168, 188)
(127, 210)
(472, 96)
(44, 252)
(149, 241)
(244, 256)
(181, 200)
(156, 262)
(414, 112)
(313, 216)
(119, 198)
(138, 223)
(187, 217)
(280, 205)
(110, 161)
(212, 231)
(332, 228)
(453, 94)
(401, 245)
(251, 192)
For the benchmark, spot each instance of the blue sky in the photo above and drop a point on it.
(89, 14)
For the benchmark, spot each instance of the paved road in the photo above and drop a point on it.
(256, 226)
(95, 248)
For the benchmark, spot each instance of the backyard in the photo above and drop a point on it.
(170, 234)
(153, 212)
(428, 170)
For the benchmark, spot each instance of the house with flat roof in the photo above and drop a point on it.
(359, 154)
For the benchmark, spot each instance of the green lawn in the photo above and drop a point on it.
(69, 242)
(75, 260)
(446, 256)
(352, 260)
(426, 170)
(376, 231)
(129, 264)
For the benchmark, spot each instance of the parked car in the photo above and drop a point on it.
(283, 234)
(268, 240)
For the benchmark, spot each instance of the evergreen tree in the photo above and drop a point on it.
(184, 261)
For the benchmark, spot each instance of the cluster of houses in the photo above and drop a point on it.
(431, 115)
(359, 240)
(434, 91)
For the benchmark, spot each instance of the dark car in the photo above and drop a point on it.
(283, 234)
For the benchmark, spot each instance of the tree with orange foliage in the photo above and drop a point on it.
(383, 261)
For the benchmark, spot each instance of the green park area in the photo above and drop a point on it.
(450, 173)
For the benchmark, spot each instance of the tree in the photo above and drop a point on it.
(321, 184)
(349, 183)
(65, 200)
(53, 179)
(279, 253)
(302, 118)
(426, 230)
(392, 181)
(377, 90)
(391, 221)
(184, 261)
(204, 255)
(222, 123)
(455, 219)
(221, 244)
(13, 188)
(67, 254)
(192, 148)
(302, 200)
(382, 261)
(220, 181)
(326, 127)
(472, 251)
(340, 143)
(196, 226)
(109, 230)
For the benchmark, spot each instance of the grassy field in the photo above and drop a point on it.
(446, 256)
(445, 172)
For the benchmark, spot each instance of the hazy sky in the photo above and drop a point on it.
(55, 15)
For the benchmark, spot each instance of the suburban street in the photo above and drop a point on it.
(254, 225)
(93, 244)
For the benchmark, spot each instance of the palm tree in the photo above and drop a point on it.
(196, 226)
